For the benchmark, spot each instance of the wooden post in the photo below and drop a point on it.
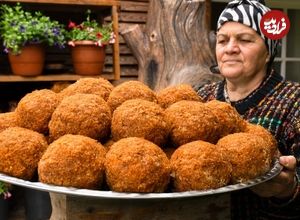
(174, 46)
(116, 52)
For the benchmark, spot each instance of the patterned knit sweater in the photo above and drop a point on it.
(276, 106)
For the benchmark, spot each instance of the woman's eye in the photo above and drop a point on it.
(246, 40)
(221, 41)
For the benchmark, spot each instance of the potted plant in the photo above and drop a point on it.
(88, 40)
(24, 35)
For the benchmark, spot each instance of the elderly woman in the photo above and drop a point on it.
(261, 96)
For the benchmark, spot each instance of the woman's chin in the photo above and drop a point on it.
(231, 72)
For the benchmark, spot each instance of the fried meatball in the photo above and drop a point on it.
(20, 151)
(190, 121)
(57, 87)
(140, 118)
(136, 165)
(8, 119)
(84, 114)
(130, 90)
(35, 109)
(229, 120)
(73, 160)
(97, 86)
(170, 95)
(265, 134)
(108, 143)
(247, 154)
(199, 165)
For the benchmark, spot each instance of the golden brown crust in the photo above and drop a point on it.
(57, 87)
(84, 114)
(73, 160)
(97, 86)
(140, 118)
(199, 165)
(190, 121)
(8, 119)
(248, 155)
(35, 109)
(108, 143)
(137, 165)
(229, 120)
(173, 94)
(20, 151)
(271, 142)
(130, 90)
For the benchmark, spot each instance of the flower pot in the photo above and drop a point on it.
(87, 58)
(30, 62)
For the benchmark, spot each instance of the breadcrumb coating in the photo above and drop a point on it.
(20, 151)
(229, 120)
(97, 86)
(199, 165)
(173, 94)
(140, 118)
(130, 90)
(35, 109)
(74, 161)
(190, 121)
(137, 165)
(83, 114)
(247, 154)
(8, 119)
(266, 135)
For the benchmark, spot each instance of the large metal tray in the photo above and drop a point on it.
(274, 171)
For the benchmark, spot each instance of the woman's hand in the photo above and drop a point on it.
(282, 186)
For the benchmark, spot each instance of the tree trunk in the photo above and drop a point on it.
(174, 47)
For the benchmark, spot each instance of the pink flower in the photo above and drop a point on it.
(99, 43)
(71, 25)
(112, 41)
(71, 43)
(7, 195)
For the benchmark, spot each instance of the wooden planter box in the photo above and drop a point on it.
(65, 207)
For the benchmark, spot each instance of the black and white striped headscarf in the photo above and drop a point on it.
(249, 13)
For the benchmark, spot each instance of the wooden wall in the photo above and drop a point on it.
(131, 12)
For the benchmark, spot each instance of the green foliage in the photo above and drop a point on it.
(4, 190)
(19, 27)
(90, 30)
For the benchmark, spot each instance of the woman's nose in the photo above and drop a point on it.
(232, 46)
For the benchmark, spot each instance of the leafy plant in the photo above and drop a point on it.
(90, 30)
(19, 27)
(4, 190)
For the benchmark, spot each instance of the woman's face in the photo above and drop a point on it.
(241, 52)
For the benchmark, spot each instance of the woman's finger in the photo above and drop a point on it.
(288, 162)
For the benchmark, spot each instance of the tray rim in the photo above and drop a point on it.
(72, 191)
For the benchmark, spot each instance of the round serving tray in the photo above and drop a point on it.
(274, 171)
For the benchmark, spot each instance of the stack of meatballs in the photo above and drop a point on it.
(128, 138)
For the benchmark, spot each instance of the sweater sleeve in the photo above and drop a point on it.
(292, 130)
(291, 135)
